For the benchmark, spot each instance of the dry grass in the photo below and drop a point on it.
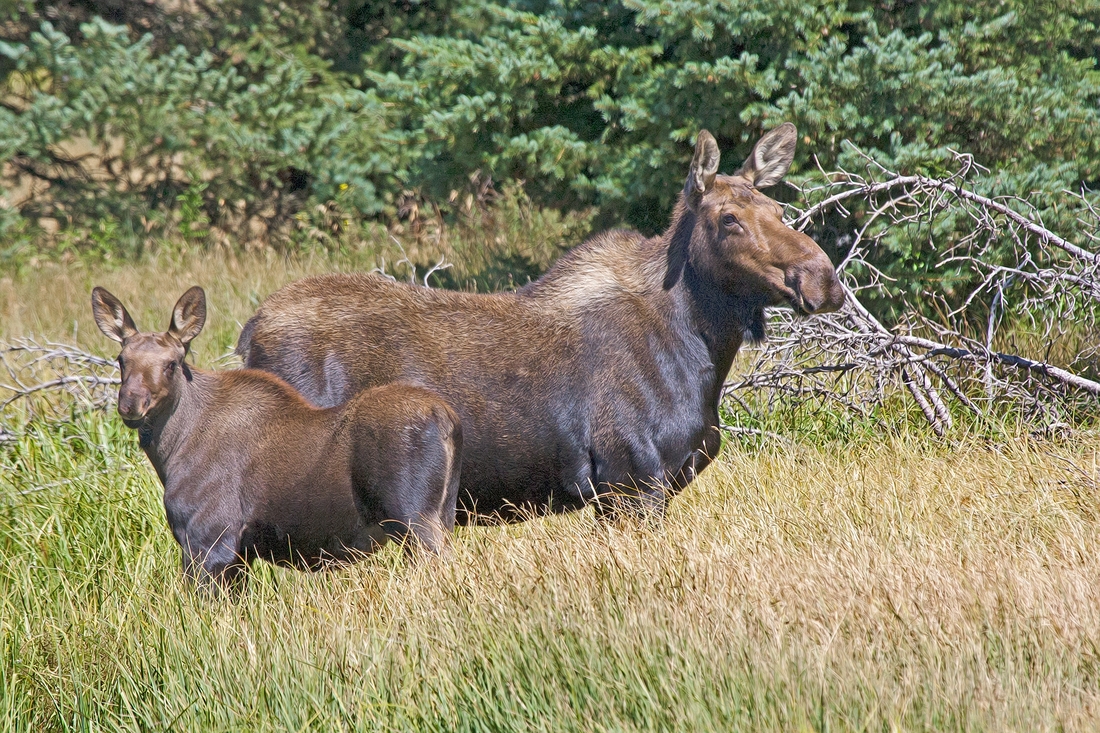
(54, 300)
(884, 581)
(889, 585)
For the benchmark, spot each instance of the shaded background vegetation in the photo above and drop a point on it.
(305, 124)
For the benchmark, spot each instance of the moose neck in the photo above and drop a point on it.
(162, 436)
(718, 316)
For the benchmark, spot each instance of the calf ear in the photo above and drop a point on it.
(111, 316)
(704, 167)
(189, 315)
(771, 157)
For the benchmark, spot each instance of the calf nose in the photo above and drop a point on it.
(131, 406)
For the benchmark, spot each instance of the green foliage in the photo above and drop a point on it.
(193, 221)
(15, 235)
(121, 132)
(383, 107)
(603, 101)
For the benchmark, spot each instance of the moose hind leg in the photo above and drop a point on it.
(411, 485)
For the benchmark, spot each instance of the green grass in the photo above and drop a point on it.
(854, 575)
(843, 587)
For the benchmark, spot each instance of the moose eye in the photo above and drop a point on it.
(170, 368)
(729, 220)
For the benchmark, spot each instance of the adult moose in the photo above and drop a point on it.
(251, 470)
(600, 379)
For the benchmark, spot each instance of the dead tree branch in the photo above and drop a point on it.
(50, 370)
(943, 350)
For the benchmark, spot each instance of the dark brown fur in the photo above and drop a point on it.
(603, 377)
(251, 470)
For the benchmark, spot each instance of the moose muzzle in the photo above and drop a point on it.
(816, 286)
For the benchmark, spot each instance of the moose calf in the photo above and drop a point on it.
(251, 470)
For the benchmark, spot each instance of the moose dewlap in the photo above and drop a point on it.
(251, 470)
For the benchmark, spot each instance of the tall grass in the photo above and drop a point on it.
(870, 578)
(872, 585)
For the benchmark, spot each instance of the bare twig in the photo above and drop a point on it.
(738, 430)
(853, 359)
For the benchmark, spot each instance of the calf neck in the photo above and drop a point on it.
(601, 379)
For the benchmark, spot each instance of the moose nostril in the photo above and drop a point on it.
(130, 407)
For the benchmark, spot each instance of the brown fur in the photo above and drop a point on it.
(252, 470)
(601, 378)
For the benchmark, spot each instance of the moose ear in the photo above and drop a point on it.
(771, 157)
(111, 316)
(189, 315)
(704, 166)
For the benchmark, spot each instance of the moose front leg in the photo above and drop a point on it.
(217, 568)
(630, 482)
(697, 461)
(645, 503)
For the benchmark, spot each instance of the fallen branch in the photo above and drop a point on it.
(1051, 282)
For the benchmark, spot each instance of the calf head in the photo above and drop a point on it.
(152, 364)
(736, 238)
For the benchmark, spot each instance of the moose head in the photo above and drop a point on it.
(152, 364)
(733, 236)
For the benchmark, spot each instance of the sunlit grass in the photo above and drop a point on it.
(846, 575)
(852, 586)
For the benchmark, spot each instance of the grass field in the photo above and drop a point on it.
(867, 580)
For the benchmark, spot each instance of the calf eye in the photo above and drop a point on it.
(170, 367)
(729, 220)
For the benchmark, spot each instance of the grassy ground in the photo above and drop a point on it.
(880, 580)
